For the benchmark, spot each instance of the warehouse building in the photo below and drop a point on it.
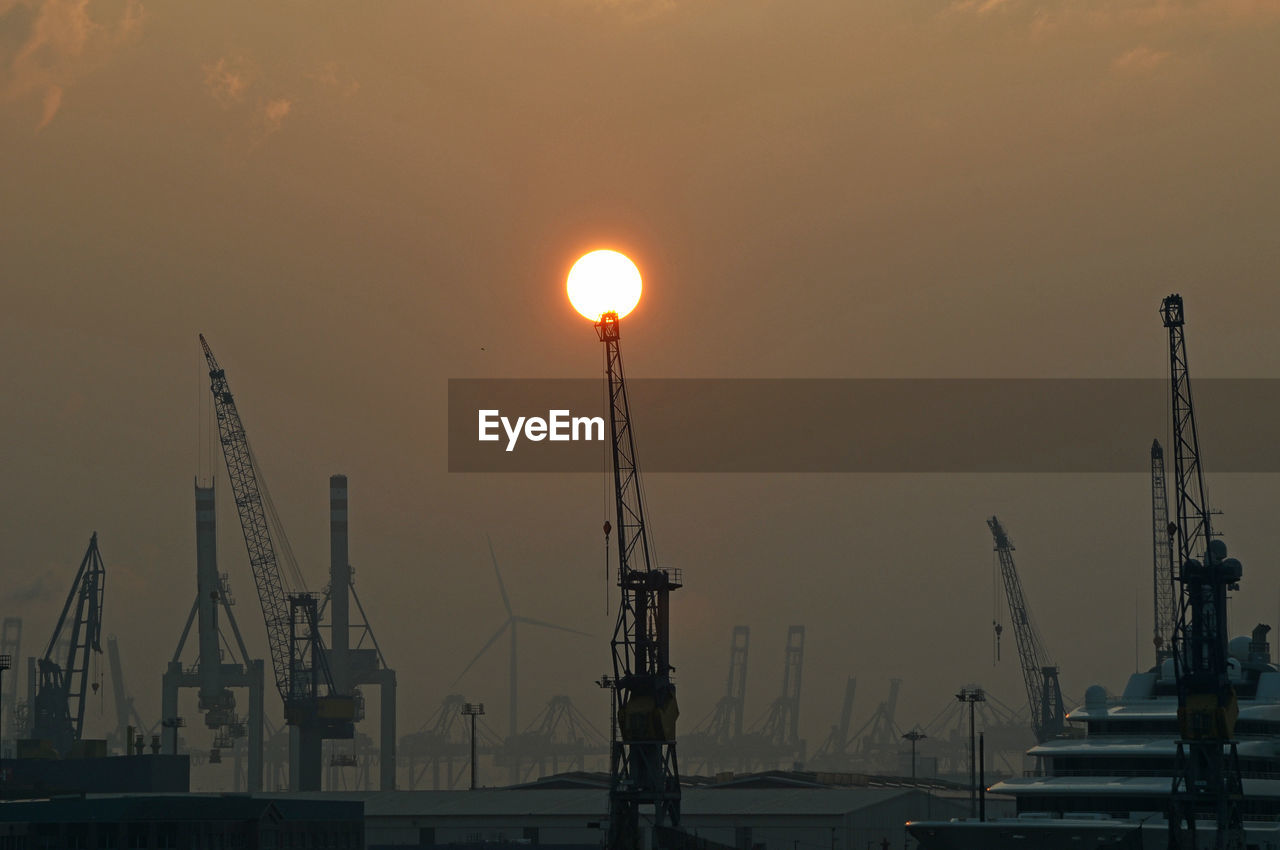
(781, 815)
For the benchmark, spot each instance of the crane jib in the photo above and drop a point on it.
(277, 609)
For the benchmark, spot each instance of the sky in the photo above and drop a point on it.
(358, 202)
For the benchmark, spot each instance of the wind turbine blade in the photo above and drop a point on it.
(502, 587)
(482, 651)
(547, 625)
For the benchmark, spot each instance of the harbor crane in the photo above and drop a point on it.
(718, 740)
(1162, 577)
(880, 735)
(1207, 775)
(313, 706)
(833, 752)
(780, 733)
(1039, 673)
(58, 711)
(643, 770)
(214, 674)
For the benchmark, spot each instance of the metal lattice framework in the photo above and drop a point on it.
(717, 740)
(1207, 777)
(253, 522)
(834, 750)
(1039, 673)
(1165, 615)
(643, 767)
(781, 728)
(726, 725)
(60, 698)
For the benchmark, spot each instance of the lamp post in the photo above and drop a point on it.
(913, 736)
(972, 696)
(473, 710)
(6, 662)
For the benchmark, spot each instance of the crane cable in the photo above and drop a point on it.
(995, 607)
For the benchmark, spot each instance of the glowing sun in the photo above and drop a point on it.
(604, 282)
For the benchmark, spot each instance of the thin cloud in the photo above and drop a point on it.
(227, 80)
(1139, 60)
(978, 7)
(1149, 14)
(63, 41)
(329, 77)
(274, 112)
(635, 10)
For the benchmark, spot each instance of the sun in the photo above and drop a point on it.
(604, 282)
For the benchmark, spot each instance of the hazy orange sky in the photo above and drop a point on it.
(359, 201)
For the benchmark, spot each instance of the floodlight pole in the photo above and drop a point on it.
(913, 736)
(473, 710)
(972, 696)
(6, 662)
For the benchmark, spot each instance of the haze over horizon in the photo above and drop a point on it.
(357, 202)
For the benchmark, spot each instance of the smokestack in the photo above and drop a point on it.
(339, 584)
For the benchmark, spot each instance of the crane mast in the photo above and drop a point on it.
(298, 657)
(1039, 674)
(643, 768)
(1163, 581)
(1207, 772)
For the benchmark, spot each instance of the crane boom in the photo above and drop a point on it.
(253, 522)
(1166, 606)
(1039, 674)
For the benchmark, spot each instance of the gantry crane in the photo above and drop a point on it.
(58, 712)
(1163, 581)
(833, 752)
(356, 664)
(880, 734)
(1207, 769)
(642, 765)
(442, 740)
(1039, 673)
(215, 673)
(780, 733)
(298, 657)
(717, 742)
(559, 738)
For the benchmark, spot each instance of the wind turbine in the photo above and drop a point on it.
(513, 619)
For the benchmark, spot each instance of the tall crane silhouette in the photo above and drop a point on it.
(1039, 673)
(642, 765)
(1207, 769)
(298, 657)
(58, 713)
